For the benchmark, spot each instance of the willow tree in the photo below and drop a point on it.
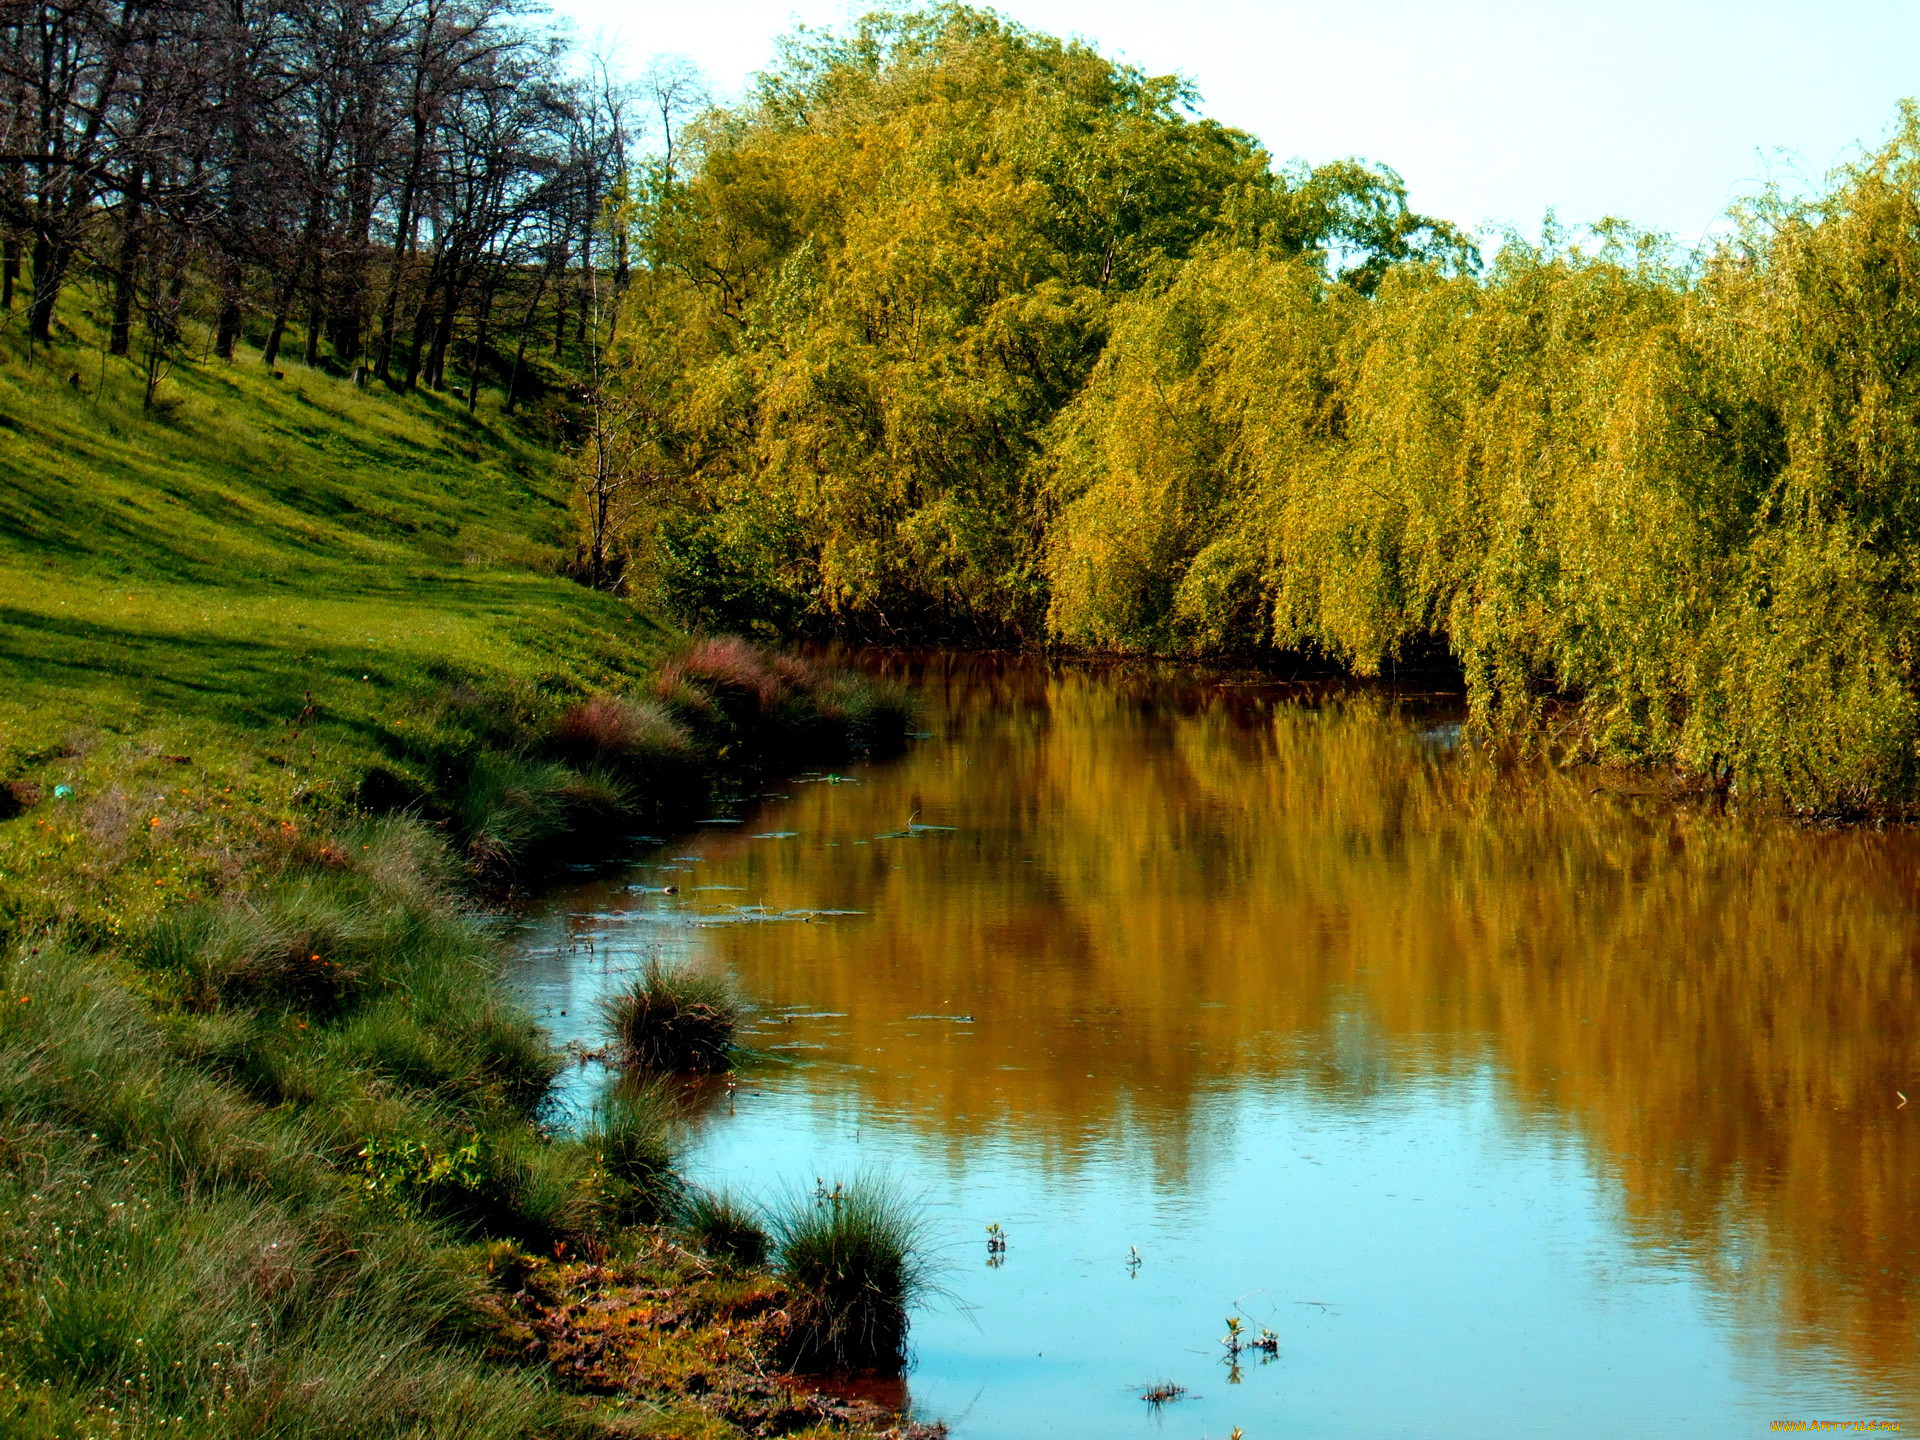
(887, 271)
(1668, 504)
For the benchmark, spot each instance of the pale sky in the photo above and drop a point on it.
(1493, 110)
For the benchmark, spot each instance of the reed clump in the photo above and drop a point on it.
(630, 1136)
(777, 707)
(725, 1228)
(852, 1258)
(673, 1019)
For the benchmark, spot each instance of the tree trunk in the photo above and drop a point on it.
(479, 350)
(120, 334)
(317, 316)
(227, 325)
(443, 337)
(520, 349)
(423, 316)
(49, 274)
(347, 314)
(282, 303)
(406, 229)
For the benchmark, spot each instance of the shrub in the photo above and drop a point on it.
(851, 1260)
(673, 1019)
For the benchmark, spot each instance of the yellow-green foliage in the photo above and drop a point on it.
(955, 328)
(889, 269)
(1683, 496)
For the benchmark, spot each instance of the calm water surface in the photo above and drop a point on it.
(1515, 1109)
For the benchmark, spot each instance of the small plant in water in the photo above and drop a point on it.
(1165, 1393)
(996, 1246)
(1268, 1343)
(673, 1019)
(1234, 1339)
(850, 1255)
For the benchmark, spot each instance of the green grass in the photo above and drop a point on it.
(223, 1219)
(672, 1019)
(290, 680)
(282, 581)
(852, 1257)
(267, 537)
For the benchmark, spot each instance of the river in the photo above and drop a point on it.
(1515, 1100)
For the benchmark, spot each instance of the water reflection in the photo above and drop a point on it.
(1167, 903)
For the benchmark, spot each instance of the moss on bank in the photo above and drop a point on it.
(690, 1344)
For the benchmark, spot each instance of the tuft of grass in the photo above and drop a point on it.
(725, 1228)
(673, 1019)
(630, 1136)
(852, 1259)
(732, 694)
(507, 806)
(627, 732)
(876, 715)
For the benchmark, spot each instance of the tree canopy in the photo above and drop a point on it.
(953, 329)
(884, 274)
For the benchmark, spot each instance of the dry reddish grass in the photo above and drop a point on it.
(727, 665)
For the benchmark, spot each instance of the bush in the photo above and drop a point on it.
(673, 1019)
(850, 1257)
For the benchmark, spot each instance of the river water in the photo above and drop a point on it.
(1514, 1102)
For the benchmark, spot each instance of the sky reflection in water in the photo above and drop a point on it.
(1515, 1109)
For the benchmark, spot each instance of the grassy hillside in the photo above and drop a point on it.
(287, 669)
(276, 578)
(344, 531)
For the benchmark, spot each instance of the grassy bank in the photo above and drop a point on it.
(292, 685)
(224, 612)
